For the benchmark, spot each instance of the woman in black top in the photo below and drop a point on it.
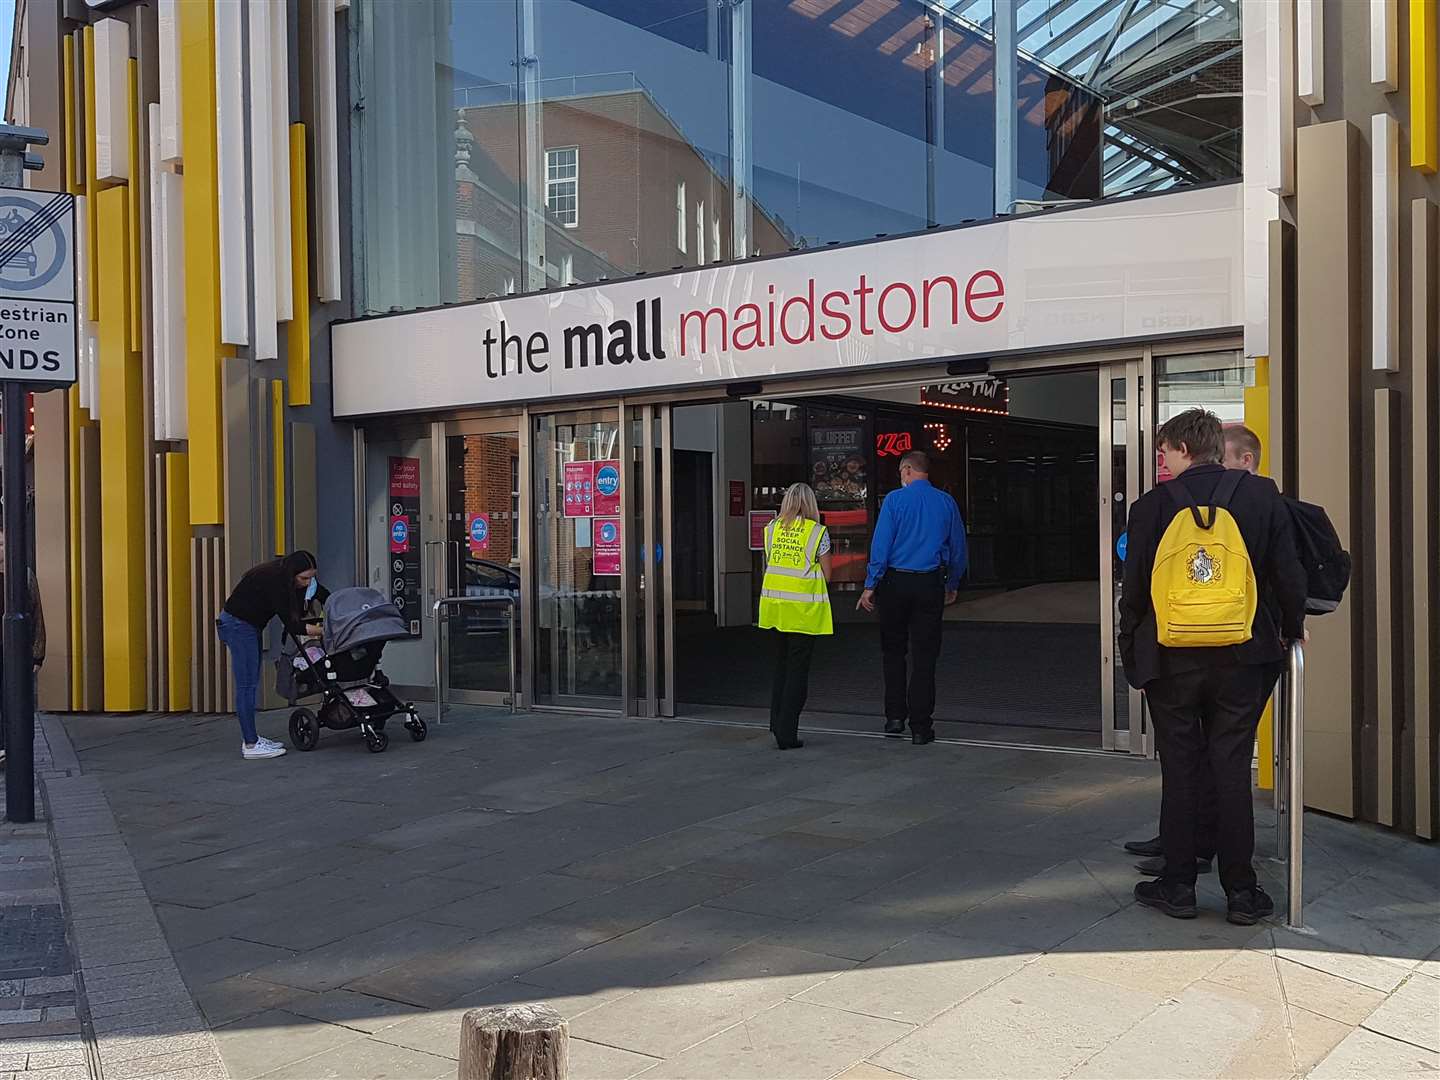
(279, 589)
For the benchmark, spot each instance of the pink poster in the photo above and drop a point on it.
(607, 488)
(579, 477)
(607, 546)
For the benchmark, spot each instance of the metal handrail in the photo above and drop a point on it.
(511, 604)
(1295, 785)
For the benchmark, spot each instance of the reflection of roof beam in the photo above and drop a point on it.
(1115, 31)
(1169, 39)
(1179, 76)
(1152, 156)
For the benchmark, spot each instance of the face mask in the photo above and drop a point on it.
(310, 590)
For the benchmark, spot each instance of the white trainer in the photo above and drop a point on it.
(260, 751)
(271, 743)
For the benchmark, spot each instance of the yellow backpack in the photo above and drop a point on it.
(1203, 584)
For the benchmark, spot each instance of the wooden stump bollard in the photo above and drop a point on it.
(514, 1042)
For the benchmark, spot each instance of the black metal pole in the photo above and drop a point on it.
(19, 701)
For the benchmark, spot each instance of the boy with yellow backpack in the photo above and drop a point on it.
(1203, 549)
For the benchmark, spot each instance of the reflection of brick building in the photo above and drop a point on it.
(639, 186)
(491, 465)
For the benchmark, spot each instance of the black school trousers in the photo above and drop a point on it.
(1205, 723)
(912, 613)
(791, 685)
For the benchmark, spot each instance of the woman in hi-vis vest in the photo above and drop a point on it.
(795, 605)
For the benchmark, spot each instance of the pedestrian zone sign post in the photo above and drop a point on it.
(39, 339)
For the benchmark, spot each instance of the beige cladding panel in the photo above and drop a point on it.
(1328, 292)
(305, 526)
(1383, 715)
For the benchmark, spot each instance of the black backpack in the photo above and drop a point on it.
(1327, 564)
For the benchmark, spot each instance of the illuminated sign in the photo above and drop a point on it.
(985, 394)
(893, 443)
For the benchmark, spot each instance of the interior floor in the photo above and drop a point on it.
(1041, 676)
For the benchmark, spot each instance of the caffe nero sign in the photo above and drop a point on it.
(983, 290)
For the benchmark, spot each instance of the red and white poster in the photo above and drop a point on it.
(737, 498)
(579, 478)
(607, 488)
(607, 546)
(758, 520)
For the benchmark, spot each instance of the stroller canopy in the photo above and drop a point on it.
(355, 617)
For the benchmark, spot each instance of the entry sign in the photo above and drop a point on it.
(1122, 544)
(38, 329)
(479, 534)
(607, 488)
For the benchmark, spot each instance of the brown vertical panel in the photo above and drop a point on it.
(1388, 718)
(197, 625)
(1328, 295)
(88, 536)
(242, 504)
(305, 524)
(1419, 747)
(160, 667)
(52, 547)
(1282, 353)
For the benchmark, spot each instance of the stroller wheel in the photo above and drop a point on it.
(377, 742)
(304, 729)
(416, 727)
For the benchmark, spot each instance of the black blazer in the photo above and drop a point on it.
(1264, 521)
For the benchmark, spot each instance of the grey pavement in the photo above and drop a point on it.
(699, 905)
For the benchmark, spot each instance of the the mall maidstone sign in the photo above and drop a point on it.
(1134, 269)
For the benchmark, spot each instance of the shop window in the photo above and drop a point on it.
(562, 185)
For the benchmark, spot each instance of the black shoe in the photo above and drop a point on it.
(1249, 907)
(921, 738)
(796, 745)
(1156, 866)
(895, 727)
(1175, 900)
(1144, 848)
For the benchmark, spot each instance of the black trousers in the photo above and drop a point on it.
(1205, 724)
(791, 685)
(912, 611)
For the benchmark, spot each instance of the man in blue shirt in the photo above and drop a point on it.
(917, 558)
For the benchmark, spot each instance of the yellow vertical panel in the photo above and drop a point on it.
(135, 187)
(298, 330)
(178, 586)
(1425, 85)
(74, 534)
(67, 75)
(122, 466)
(277, 430)
(203, 350)
(92, 181)
(1257, 419)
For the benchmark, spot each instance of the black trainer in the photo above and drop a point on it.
(1156, 866)
(922, 738)
(1144, 848)
(1249, 907)
(1174, 899)
(895, 728)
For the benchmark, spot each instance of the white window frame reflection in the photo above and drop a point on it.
(562, 181)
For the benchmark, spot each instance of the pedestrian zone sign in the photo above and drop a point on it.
(38, 325)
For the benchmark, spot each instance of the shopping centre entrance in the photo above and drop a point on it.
(1020, 456)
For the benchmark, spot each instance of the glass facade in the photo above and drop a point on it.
(508, 146)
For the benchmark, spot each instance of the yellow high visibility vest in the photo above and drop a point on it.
(793, 596)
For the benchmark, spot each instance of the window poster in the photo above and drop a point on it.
(579, 480)
(406, 542)
(838, 464)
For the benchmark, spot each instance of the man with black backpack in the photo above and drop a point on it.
(1203, 549)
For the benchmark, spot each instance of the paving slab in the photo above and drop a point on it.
(765, 1046)
(1038, 1022)
(1411, 1014)
(1368, 1055)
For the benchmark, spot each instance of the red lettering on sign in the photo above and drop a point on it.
(893, 443)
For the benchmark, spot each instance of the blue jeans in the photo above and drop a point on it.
(243, 641)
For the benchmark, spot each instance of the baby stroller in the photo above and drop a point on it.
(344, 669)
